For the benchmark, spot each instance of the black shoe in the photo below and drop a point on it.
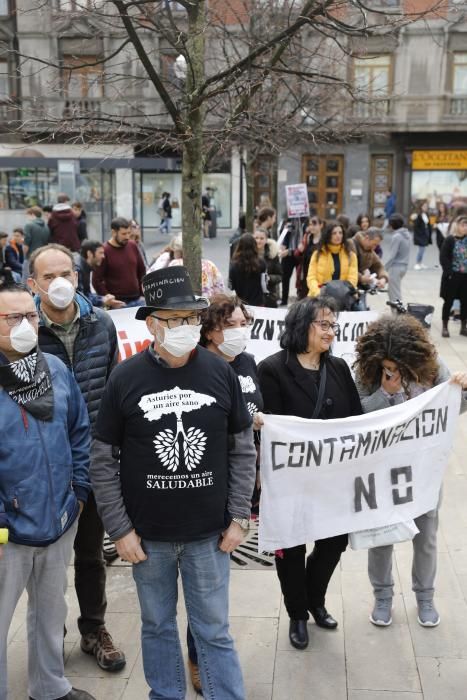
(298, 634)
(323, 618)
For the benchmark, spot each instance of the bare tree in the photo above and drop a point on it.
(201, 77)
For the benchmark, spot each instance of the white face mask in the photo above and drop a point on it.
(235, 340)
(23, 338)
(181, 340)
(61, 293)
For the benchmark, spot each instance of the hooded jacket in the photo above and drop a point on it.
(399, 248)
(44, 464)
(63, 226)
(36, 234)
(94, 354)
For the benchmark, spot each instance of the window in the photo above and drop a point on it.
(85, 80)
(4, 80)
(74, 5)
(459, 74)
(4, 7)
(372, 81)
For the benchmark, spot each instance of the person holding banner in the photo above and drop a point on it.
(335, 259)
(396, 361)
(304, 380)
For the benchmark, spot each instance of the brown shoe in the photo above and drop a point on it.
(100, 643)
(195, 677)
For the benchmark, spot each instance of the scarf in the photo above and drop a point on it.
(28, 382)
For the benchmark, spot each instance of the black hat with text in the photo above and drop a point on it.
(169, 288)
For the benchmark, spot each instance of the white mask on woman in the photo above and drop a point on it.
(23, 338)
(235, 340)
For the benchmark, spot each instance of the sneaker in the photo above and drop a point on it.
(108, 656)
(417, 267)
(424, 267)
(381, 615)
(428, 616)
(194, 675)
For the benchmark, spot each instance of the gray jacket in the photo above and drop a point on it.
(399, 248)
(373, 398)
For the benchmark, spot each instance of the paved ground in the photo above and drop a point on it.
(356, 662)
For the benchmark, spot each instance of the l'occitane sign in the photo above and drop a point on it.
(439, 160)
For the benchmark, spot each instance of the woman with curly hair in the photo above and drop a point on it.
(396, 361)
(335, 259)
(246, 273)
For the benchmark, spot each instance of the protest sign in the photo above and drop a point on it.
(297, 201)
(325, 478)
(268, 324)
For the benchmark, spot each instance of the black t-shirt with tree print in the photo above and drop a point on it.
(244, 367)
(172, 427)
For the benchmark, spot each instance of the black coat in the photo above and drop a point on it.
(290, 390)
(421, 232)
(446, 256)
(94, 353)
(247, 285)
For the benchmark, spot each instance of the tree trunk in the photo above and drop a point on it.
(250, 192)
(193, 157)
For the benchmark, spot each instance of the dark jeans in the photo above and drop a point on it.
(304, 586)
(288, 266)
(456, 289)
(90, 569)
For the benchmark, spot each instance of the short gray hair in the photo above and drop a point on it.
(373, 232)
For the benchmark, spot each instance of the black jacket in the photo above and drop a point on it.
(446, 256)
(95, 352)
(421, 232)
(247, 285)
(290, 390)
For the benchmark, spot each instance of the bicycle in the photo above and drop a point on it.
(422, 312)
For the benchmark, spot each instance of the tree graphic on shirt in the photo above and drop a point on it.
(167, 442)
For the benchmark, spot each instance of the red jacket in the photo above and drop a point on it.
(63, 226)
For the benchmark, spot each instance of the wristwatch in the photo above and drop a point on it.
(243, 522)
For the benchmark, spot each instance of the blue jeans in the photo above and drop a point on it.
(420, 254)
(205, 578)
(166, 225)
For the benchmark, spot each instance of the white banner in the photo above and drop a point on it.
(133, 336)
(297, 201)
(325, 478)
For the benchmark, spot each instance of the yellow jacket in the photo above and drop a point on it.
(321, 269)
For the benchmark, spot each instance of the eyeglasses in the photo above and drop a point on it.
(327, 326)
(176, 322)
(15, 319)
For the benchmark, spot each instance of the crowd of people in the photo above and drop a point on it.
(325, 252)
(162, 451)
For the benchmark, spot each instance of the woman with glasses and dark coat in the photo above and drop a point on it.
(290, 382)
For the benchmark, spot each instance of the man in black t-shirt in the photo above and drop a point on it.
(179, 498)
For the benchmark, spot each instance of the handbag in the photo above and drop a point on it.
(384, 535)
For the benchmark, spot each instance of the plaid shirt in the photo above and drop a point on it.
(67, 333)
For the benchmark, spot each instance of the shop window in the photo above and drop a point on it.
(372, 82)
(4, 80)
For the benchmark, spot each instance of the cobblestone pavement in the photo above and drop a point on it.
(357, 661)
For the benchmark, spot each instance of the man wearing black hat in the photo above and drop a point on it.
(179, 499)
